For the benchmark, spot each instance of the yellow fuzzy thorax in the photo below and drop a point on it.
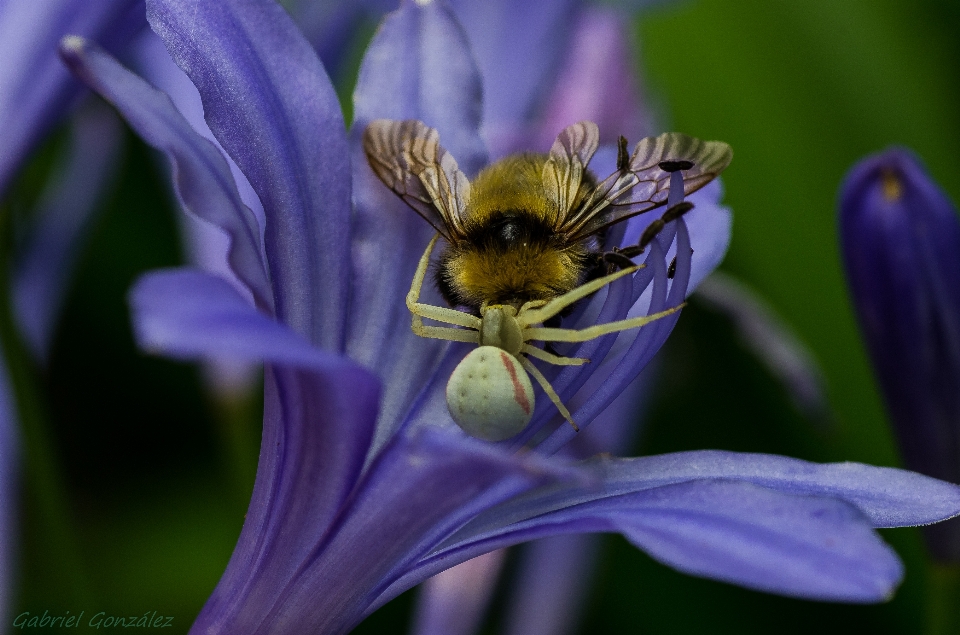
(515, 182)
(513, 277)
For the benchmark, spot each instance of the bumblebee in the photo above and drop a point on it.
(524, 242)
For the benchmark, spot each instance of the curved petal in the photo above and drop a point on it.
(888, 497)
(802, 546)
(318, 421)
(202, 178)
(418, 490)
(190, 314)
(418, 66)
(282, 124)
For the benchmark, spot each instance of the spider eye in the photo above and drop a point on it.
(490, 395)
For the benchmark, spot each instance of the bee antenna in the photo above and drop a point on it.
(623, 159)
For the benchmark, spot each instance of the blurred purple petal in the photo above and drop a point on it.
(398, 79)
(454, 601)
(518, 47)
(63, 218)
(331, 26)
(201, 176)
(35, 88)
(597, 82)
(900, 237)
(552, 585)
(283, 127)
(189, 314)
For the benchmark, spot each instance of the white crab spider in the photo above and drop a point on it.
(489, 393)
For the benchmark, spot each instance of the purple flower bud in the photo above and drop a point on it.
(900, 237)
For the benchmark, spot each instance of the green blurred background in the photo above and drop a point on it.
(135, 488)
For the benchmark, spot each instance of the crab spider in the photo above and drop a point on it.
(489, 393)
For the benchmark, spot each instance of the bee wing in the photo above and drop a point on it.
(642, 185)
(408, 158)
(564, 169)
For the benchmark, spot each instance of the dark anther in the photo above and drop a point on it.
(673, 166)
(672, 269)
(618, 259)
(651, 232)
(623, 159)
(677, 211)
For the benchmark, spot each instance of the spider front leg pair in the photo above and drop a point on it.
(489, 393)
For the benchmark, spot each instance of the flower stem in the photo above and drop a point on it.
(44, 511)
(943, 600)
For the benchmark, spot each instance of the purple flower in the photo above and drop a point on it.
(900, 237)
(365, 487)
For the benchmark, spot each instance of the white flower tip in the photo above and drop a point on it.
(423, 3)
(73, 44)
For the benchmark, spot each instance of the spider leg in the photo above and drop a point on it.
(591, 332)
(548, 389)
(436, 313)
(554, 306)
(551, 358)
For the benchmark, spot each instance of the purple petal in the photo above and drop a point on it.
(454, 602)
(419, 490)
(802, 546)
(201, 176)
(419, 66)
(318, 422)
(415, 48)
(888, 497)
(901, 244)
(316, 429)
(63, 218)
(189, 314)
(552, 586)
(35, 88)
(518, 47)
(282, 125)
(207, 246)
(597, 82)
